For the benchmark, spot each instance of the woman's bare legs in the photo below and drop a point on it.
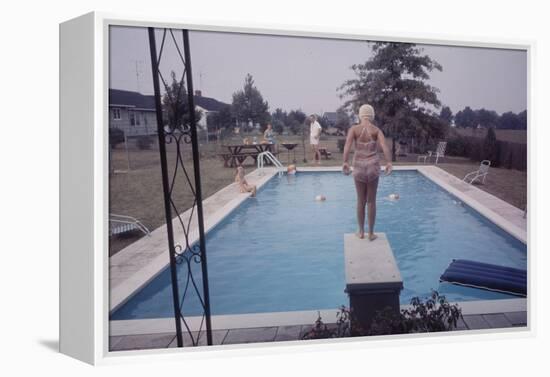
(370, 199)
(316, 155)
(361, 189)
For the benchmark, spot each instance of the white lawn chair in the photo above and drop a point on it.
(119, 224)
(425, 157)
(480, 173)
(439, 153)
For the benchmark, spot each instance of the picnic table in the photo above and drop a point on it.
(237, 153)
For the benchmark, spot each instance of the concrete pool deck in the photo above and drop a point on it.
(291, 326)
(137, 264)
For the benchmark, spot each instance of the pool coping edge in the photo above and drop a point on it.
(291, 318)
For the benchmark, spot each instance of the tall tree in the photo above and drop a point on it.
(487, 118)
(446, 115)
(509, 121)
(296, 119)
(490, 147)
(323, 121)
(279, 119)
(343, 120)
(248, 104)
(175, 105)
(466, 118)
(220, 120)
(523, 120)
(393, 81)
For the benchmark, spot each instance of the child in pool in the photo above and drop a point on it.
(291, 169)
(244, 186)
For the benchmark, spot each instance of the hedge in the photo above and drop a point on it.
(509, 155)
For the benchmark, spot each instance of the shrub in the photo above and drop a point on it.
(457, 146)
(116, 136)
(144, 142)
(433, 315)
(346, 326)
(226, 133)
(490, 147)
(341, 144)
(319, 330)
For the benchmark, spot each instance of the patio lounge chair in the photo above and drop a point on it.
(480, 173)
(439, 153)
(120, 224)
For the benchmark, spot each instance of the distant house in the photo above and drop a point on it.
(132, 112)
(135, 114)
(331, 118)
(207, 106)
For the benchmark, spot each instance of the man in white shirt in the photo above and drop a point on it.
(314, 137)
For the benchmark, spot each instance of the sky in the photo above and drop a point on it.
(305, 73)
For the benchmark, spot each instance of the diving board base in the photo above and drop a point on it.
(373, 280)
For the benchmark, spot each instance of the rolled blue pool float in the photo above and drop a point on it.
(486, 276)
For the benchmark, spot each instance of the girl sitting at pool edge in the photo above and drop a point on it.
(366, 166)
(244, 186)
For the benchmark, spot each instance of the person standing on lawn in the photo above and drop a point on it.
(314, 137)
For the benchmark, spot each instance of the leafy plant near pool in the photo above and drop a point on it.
(346, 326)
(432, 315)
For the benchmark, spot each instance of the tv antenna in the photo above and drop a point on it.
(139, 72)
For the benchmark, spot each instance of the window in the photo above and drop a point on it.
(116, 113)
(132, 118)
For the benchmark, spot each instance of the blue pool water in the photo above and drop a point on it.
(283, 251)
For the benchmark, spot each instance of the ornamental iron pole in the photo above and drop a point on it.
(181, 132)
(165, 186)
(198, 191)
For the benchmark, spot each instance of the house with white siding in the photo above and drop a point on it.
(134, 113)
(206, 106)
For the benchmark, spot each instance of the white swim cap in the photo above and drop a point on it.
(366, 111)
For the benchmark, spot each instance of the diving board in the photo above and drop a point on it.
(486, 276)
(373, 280)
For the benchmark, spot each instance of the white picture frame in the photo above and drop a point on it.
(84, 323)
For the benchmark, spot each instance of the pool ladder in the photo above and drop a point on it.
(267, 155)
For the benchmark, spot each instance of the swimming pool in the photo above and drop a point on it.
(283, 251)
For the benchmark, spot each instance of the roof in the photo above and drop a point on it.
(330, 116)
(142, 101)
(209, 104)
(128, 98)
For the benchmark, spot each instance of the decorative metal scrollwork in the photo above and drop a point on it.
(176, 126)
